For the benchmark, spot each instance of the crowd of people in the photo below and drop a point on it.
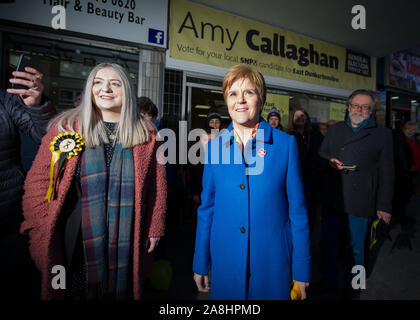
(95, 198)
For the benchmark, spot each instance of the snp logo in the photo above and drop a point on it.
(156, 36)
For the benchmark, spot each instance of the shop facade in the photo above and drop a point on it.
(399, 81)
(300, 72)
(182, 51)
(131, 33)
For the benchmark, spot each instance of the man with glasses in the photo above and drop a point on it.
(359, 185)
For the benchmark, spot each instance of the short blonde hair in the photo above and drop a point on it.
(240, 71)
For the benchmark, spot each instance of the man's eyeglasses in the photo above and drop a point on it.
(364, 107)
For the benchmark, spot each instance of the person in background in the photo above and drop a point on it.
(253, 248)
(149, 111)
(99, 210)
(355, 195)
(274, 119)
(407, 166)
(212, 127)
(409, 131)
(214, 121)
(309, 141)
(77, 101)
(403, 176)
(22, 111)
(330, 123)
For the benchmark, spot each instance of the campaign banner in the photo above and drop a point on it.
(138, 21)
(337, 111)
(203, 35)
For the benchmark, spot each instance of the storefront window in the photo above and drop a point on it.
(321, 109)
(401, 106)
(65, 66)
(207, 97)
(205, 102)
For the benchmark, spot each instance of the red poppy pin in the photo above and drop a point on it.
(262, 152)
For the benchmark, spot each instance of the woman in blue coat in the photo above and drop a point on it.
(252, 227)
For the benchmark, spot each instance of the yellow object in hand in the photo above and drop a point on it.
(295, 293)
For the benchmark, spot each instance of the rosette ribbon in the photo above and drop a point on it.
(64, 146)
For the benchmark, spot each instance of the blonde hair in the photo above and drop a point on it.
(132, 129)
(240, 71)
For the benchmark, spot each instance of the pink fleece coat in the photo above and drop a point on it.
(46, 231)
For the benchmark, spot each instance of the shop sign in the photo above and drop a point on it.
(358, 63)
(138, 21)
(404, 71)
(337, 111)
(203, 35)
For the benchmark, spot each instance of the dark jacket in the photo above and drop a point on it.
(403, 159)
(308, 146)
(371, 186)
(15, 117)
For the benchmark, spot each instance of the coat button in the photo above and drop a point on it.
(242, 186)
(243, 230)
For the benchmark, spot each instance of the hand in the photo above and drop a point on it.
(302, 287)
(31, 79)
(384, 216)
(152, 244)
(202, 282)
(196, 199)
(204, 138)
(336, 164)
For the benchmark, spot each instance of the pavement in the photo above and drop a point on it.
(395, 274)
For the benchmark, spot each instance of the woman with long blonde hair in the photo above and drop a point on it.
(95, 197)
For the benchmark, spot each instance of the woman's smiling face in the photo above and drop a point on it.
(107, 91)
(244, 103)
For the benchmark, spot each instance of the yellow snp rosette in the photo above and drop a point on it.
(64, 146)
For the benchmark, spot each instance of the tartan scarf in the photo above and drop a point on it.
(107, 213)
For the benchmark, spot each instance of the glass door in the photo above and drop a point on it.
(204, 102)
(203, 98)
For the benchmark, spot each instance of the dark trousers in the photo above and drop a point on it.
(19, 278)
(312, 195)
(403, 191)
(346, 234)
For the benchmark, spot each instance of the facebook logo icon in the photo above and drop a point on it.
(156, 36)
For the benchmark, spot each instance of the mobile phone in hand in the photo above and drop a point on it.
(25, 60)
(349, 167)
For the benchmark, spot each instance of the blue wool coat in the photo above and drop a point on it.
(252, 229)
